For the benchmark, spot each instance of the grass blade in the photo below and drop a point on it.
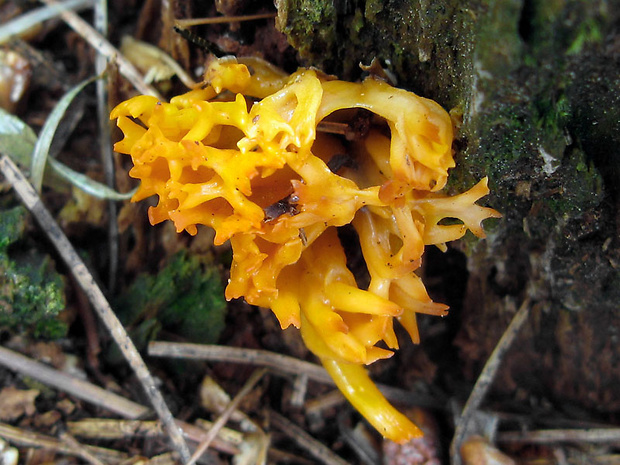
(42, 147)
(88, 185)
(17, 139)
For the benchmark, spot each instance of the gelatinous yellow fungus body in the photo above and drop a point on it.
(259, 173)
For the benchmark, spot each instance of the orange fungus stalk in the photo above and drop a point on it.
(243, 156)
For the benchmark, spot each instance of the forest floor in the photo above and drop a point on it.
(238, 387)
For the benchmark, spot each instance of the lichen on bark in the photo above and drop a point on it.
(538, 85)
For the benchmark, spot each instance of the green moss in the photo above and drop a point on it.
(373, 8)
(588, 33)
(563, 26)
(581, 191)
(304, 19)
(186, 298)
(410, 38)
(31, 291)
(357, 22)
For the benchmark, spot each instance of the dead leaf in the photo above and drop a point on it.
(212, 397)
(47, 419)
(478, 451)
(66, 406)
(48, 352)
(17, 402)
(253, 450)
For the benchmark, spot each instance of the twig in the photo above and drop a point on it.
(86, 281)
(71, 385)
(305, 441)
(167, 458)
(225, 415)
(483, 383)
(546, 421)
(89, 323)
(560, 456)
(329, 400)
(300, 388)
(365, 450)
(598, 436)
(273, 361)
(227, 434)
(222, 19)
(103, 428)
(333, 127)
(107, 429)
(25, 438)
(80, 449)
(279, 456)
(198, 435)
(278, 363)
(105, 48)
(105, 136)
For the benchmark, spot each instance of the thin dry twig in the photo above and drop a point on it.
(483, 383)
(71, 385)
(167, 458)
(280, 456)
(105, 48)
(104, 428)
(560, 456)
(334, 127)
(225, 415)
(305, 441)
(199, 434)
(548, 436)
(107, 429)
(80, 449)
(300, 388)
(86, 281)
(329, 400)
(25, 438)
(229, 435)
(222, 19)
(278, 363)
(547, 421)
(105, 136)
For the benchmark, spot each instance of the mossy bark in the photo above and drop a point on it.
(538, 83)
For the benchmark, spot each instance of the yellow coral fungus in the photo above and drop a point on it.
(261, 176)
